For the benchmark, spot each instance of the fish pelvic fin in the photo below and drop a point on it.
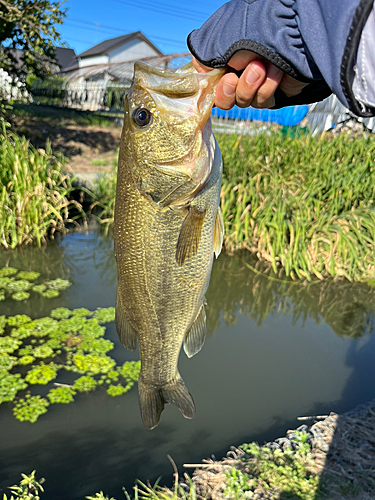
(190, 235)
(127, 335)
(196, 336)
(153, 399)
(218, 233)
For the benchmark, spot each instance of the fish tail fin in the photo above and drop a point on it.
(153, 399)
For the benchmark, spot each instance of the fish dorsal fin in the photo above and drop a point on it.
(218, 232)
(196, 336)
(127, 335)
(190, 235)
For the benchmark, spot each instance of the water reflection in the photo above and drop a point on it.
(236, 289)
(275, 351)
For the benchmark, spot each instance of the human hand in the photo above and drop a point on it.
(256, 85)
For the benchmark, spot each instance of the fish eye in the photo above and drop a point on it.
(142, 116)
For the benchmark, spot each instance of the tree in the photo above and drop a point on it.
(30, 27)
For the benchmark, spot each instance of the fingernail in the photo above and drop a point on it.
(252, 76)
(228, 89)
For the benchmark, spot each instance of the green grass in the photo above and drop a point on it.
(304, 204)
(34, 192)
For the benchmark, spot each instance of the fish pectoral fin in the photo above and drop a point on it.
(196, 336)
(218, 233)
(152, 400)
(190, 235)
(127, 335)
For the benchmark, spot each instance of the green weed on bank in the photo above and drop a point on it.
(304, 204)
(34, 192)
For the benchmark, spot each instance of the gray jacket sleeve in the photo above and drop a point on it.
(314, 41)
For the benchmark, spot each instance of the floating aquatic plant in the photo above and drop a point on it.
(41, 374)
(36, 351)
(28, 275)
(10, 384)
(17, 285)
(64, 395)
(30, 408)
(85, 384)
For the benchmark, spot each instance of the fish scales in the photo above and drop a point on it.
(161, 289)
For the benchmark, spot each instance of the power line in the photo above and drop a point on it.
(99, 25)
(154, 8)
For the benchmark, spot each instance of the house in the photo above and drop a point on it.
(120, 49)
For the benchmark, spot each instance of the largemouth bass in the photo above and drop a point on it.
(168, 225)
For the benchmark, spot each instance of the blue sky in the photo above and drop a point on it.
(165, 23)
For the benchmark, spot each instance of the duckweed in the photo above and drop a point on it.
(28, 275)
(8, 345)
(41, 374)
(117, 390)
(17, 320)
(61, 313)
(30, 408)
(63, 395)
(10, 384)
(17, 285)
(20, 296)
(105, 315)
(7, 271)
(43, 352)
(26, 360)
(85, 384)
(71, 340)
(93, 364)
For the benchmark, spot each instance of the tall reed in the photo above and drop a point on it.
(305, 204)
(34, 192)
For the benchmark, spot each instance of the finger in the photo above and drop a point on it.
(250, 81)
(225, 95)
(242, 58)
(265, 97)
(290, 86)
(199, 67)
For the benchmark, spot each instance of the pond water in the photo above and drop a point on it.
(275, 351)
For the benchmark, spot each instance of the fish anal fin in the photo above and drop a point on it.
(152, 400)
(190, 235)
(196, 336)
(127, 335)
(218, 233)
